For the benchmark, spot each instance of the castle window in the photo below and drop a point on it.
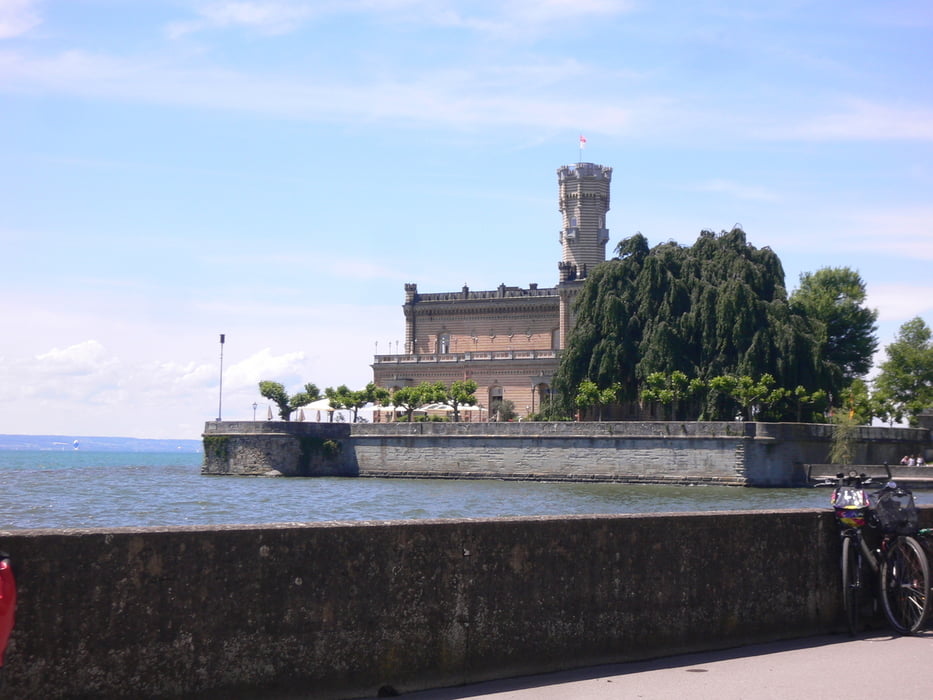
(495, 400)
(555, 339)
(443, 343)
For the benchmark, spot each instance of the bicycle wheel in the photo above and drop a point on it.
(851, 580)
(905, 585)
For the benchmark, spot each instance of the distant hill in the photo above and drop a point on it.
(96, 444)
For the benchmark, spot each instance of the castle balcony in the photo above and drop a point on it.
(454, 357)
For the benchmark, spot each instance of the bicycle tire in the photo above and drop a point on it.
(905, 585)
(851, 598)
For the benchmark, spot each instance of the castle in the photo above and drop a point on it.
(508, 340)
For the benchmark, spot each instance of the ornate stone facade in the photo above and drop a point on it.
(507, 340)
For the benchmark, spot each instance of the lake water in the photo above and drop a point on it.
(79, 489)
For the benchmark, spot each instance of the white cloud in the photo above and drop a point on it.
(555, 11)
(262, 365)
(85, 371)
(515, 18)
(265, 17)
(739, 190)
(89, 356)
(17, 17)
(860, 120)
(426, 99)
(906, 231)
(901, 301)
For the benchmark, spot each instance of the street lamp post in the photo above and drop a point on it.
(220, 397)
(254, 411)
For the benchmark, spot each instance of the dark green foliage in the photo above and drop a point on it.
(713, 309)
(832, 299)
(311, 446)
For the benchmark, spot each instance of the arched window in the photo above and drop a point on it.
(443, 343)
(495, 401)
(555, 339)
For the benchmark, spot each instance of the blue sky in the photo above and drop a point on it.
(276, 171)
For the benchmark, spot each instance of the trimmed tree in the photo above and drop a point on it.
(275, 392)
(353, 401)
(411, 398)
(461, 393)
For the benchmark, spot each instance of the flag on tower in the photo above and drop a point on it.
(582, 142)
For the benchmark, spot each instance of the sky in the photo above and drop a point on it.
(171, 170)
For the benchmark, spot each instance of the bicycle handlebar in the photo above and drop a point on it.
(853, 478)
(850, 480)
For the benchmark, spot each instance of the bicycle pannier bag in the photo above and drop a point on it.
(894, 507)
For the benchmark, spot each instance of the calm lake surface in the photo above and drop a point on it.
(78, 489)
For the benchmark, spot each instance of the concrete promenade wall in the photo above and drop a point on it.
(754, 454)
(340, 610)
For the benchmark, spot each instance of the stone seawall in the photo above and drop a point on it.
(277, 448)
(733, 453)
(339, 610)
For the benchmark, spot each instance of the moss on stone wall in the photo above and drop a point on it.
(311, 447)
(216, 447)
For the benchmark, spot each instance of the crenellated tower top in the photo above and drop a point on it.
(583, 202)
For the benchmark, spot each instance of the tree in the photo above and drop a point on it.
(460, 393)
(505, 410)
(353, 401)
(856, 402)
(802, 399)
(716, 308)
(410, 398)
(905, 383)
(670, 390)
(751, 394)
(722, 402)
(845, 431)
(589, 395)
(276, 393)
(833, 299)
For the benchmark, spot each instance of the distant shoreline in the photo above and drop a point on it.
(87, 443)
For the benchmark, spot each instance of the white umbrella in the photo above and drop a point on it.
(319, 405)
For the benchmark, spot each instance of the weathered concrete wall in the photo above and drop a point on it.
(755, 454)
(339, 610)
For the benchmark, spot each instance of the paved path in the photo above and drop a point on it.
(831, 667)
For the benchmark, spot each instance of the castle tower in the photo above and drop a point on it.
(583, 201)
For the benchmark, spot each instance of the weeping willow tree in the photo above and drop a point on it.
(718, 307)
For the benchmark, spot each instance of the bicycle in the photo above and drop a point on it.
(899, 561)
(905, 570)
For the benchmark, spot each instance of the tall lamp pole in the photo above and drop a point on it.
(220, 399)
